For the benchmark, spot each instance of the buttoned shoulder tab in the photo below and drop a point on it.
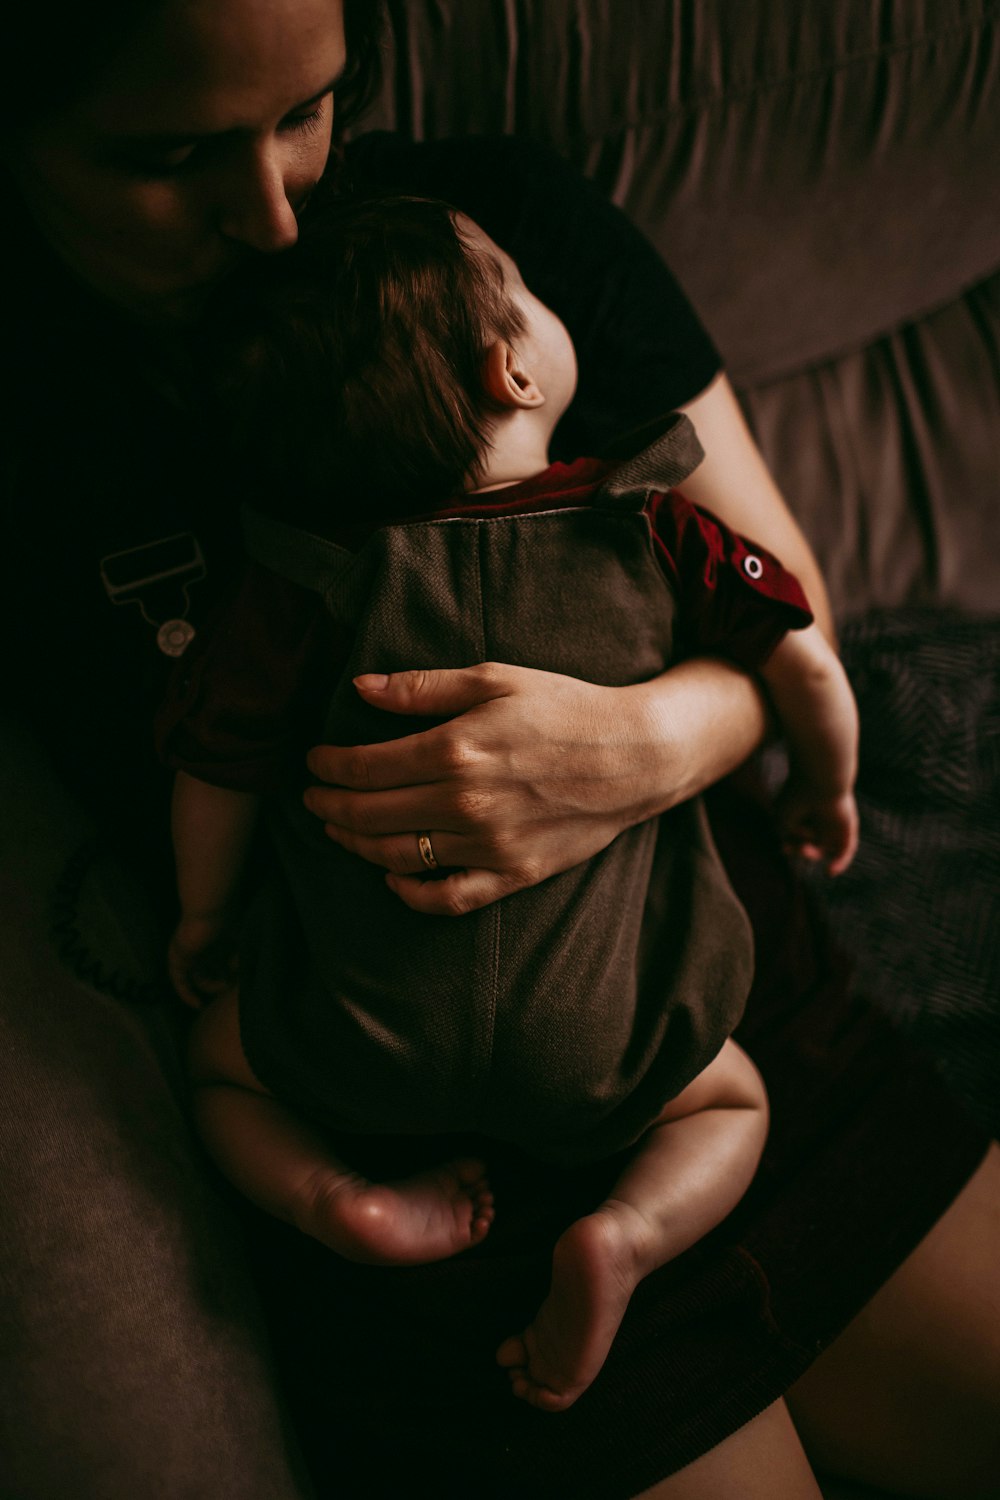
(661, 466)
(758, 570)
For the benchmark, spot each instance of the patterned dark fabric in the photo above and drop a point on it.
(921, 904)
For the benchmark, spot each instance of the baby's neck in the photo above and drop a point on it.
(518, 451)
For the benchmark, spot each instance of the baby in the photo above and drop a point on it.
(407, 384)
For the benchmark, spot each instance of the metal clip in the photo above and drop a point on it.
(169, 565)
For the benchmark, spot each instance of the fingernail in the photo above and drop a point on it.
(372, 682)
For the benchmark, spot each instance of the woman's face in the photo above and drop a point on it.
(200, 143)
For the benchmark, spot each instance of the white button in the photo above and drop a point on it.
(174, 637)
(752, 566)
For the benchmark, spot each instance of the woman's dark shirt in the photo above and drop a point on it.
(109, 450)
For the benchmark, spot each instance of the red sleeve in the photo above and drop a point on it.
(243, 701)
(736, 600)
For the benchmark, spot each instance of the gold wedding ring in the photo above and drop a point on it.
(426, 850)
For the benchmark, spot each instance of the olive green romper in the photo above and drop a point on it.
(561, 1018)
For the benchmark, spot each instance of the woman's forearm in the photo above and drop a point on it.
(707, 717)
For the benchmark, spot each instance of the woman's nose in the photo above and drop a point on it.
(255, 209)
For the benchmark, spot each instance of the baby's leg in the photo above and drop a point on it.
(290, 1170)
(689, 1170)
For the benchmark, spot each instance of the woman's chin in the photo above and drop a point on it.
(167, 310)
(158, 303)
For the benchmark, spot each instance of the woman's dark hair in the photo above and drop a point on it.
(364, 22)
(353, 363)
(61, 48)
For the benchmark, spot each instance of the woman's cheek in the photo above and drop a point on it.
(167, 212)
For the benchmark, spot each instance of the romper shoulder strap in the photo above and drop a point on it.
(338, 575)
(297, 555)
(667, 462)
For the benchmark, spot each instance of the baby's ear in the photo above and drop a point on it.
(505, 379)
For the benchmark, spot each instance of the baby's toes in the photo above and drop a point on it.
(469, 1173)
(483, 1214)
(513, 1356)
(478, 1230)
(546, 1400)
(525, 1389)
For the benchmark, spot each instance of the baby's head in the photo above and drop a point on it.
(395, 354)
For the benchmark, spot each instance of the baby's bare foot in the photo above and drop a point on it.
(414, 1220)
(596, 1265)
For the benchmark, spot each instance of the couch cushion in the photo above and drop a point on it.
(920, 906)
(816, 175)
(890, 458)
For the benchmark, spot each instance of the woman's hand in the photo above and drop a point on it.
(536, 773)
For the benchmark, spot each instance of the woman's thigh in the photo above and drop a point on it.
(762, 1461)
(909, 1396)
(133, 1361)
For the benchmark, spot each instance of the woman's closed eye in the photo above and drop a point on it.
(309, 118)
(173, 155)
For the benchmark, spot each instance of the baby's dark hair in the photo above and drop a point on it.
(354, 365)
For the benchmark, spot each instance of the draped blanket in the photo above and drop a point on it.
(921, 904)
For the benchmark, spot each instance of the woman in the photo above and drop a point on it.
(174, 142)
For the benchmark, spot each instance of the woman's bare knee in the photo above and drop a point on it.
(908, 1397)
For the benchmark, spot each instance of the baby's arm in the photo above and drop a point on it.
(813, 700)
(213, 829)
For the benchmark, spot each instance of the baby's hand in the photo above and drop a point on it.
(202, 960)
(817, 826)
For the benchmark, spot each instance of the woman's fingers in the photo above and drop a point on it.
(400, 852)
(411, 761)
(436, 691)
(411, 809)
(423, 757)
(465, 811)
(456, 894)
(456, 891)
